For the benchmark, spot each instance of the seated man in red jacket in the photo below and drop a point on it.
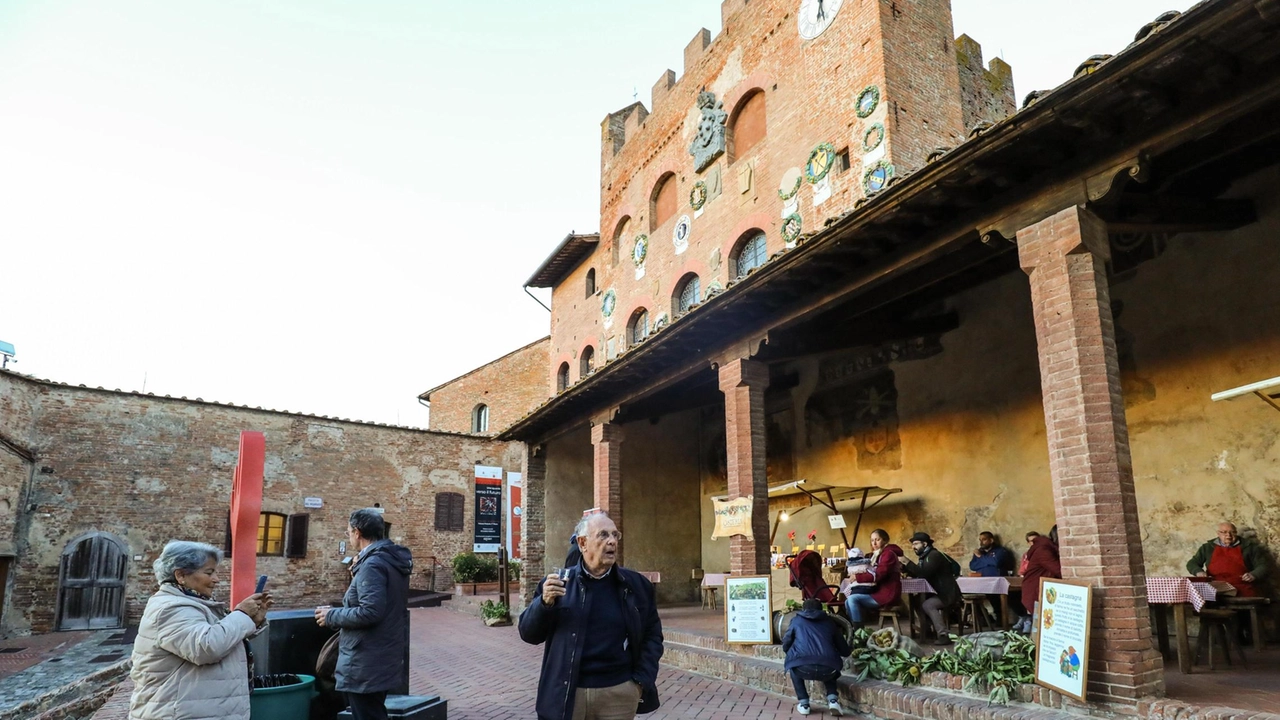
(1239, 563)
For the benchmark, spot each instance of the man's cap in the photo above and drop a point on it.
(921, 537)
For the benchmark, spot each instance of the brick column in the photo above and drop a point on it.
(1094, 499)
(743, 383)
(606, 440)
(533, 527)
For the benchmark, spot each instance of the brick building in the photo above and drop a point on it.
(491, 397)
(810, 268)
(109, 475)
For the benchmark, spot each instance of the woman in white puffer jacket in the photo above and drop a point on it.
(190, 660)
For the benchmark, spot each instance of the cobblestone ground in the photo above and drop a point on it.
(490, 674)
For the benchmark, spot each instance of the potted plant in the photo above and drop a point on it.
(474, 575)
(495, 613)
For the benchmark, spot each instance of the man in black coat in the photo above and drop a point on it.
(602, 633)
(940, 572)
(373, 620)
(815, 644)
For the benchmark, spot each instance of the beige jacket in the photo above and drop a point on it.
(189, 661)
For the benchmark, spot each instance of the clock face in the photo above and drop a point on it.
(816, 16)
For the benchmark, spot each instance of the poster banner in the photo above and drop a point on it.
(488, 509)
(733, 517)
(746, 609)
(1062, 646)
(515, 486)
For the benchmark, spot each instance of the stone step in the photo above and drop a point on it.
(762, 673)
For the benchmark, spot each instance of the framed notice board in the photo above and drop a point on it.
(1062, 637)
(747, 617)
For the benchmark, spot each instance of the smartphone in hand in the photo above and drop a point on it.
(262, 584)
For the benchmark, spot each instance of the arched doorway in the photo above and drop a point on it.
(91, 583)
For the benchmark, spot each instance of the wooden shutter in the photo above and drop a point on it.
(295, 536)
(449, 511)
(226, 544)
(455, 513)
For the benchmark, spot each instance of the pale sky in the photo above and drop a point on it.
(330, 206)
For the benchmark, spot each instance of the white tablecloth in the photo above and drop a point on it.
(968, 585)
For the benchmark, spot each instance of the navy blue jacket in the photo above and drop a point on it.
(374, 621)
(997, 561)
(562, 627)
(815, 639)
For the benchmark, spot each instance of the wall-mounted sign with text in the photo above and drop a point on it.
(313, 503)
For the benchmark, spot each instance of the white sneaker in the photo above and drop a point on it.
(802, 708)
(833, 705)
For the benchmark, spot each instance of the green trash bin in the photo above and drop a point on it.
(291, 702)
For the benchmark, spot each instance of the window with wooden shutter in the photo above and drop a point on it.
(449, 512)
(271, 534)
(295, 539)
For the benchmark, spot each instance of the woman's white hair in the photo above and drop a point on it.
(183, 555)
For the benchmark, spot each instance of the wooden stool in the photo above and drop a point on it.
(1250, 605)
(1223, 623)
(709, 597)
(972, 609)
(895, 613)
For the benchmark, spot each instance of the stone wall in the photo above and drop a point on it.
(17, 412)
(511, 386)
(986, 93)
(147, 469)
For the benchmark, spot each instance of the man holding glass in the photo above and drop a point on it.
(603, 638)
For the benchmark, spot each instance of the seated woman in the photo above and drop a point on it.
(885, 576)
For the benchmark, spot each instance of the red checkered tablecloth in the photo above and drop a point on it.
(1172, 590)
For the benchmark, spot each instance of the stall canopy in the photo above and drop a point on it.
(836, 498)
(1262, 389)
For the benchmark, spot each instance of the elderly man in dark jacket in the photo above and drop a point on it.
(602, 633)
(373, 619)
(940, 571)
(815, 644)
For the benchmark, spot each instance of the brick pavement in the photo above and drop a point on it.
(490, 674)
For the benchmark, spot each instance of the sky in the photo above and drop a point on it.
(331, 206)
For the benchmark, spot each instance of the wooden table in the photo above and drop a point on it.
(1178, 592)
(969, 585)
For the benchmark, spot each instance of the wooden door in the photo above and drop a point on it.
(91, 591)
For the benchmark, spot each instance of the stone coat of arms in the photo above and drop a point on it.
(709, 143)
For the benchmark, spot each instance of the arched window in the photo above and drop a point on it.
(751, 253)
(747, 128)
(480, 419)
(562, 377)
(688, 293)
(621, 240)
(638, 327)
(586, 361)
(591, 282)
(663, 201)
(271, 533)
